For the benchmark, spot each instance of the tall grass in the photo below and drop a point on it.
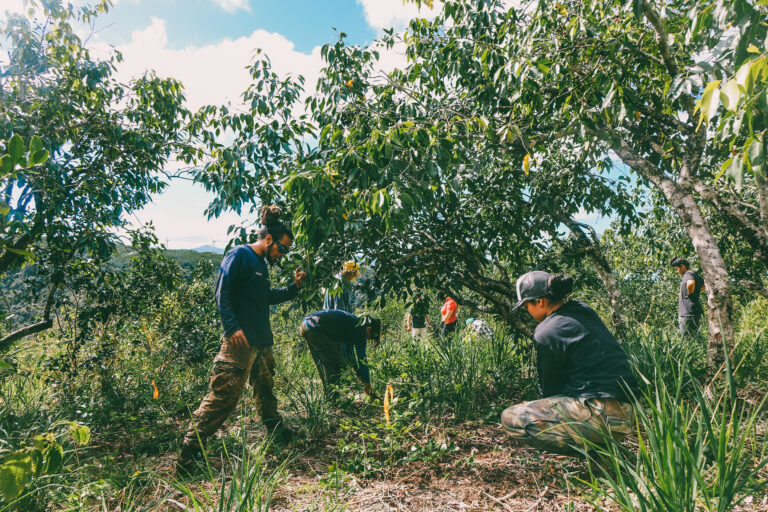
(246, 482)
(304, 394)
(457, 376)
(701, 453)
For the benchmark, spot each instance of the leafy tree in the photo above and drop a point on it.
(424, 191)
(107, 144)
(611, 77)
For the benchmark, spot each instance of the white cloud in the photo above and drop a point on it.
(15, 6)
(395, 14)
(216, 73)
(178, 219)
(233, 5)
(381, 14)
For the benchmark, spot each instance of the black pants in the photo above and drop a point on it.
(447, 329)
(328, 355)
(689, 325)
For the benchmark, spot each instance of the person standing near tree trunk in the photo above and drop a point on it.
(243, 297)
(417, 322)
(689, 308)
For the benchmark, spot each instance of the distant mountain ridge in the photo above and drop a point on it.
(208, 248)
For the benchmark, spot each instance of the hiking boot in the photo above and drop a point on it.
(277, 429)
(191, 461)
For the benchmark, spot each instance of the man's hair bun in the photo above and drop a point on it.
(559, 286)
(270, 214)
(271, 223)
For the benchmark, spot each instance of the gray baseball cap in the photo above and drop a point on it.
(533, 285)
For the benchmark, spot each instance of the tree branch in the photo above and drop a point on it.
(45, 324)
(661, 38)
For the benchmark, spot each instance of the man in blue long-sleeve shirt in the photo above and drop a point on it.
(243, 297)
(335, 338)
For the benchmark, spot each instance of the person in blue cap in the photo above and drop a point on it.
(584, 376)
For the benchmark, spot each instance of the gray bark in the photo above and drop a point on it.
(762, 187)
(680, 196)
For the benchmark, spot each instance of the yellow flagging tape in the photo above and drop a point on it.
(156, 394)
(388, 395)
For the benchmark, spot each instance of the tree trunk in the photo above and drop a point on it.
(762, 186)
(754, 234)
(591, 245)
(716, 278)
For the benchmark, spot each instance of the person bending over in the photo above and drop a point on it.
(584, 376)
(243, 297)
(337, 338)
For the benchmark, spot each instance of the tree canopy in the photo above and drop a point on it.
(106, 144)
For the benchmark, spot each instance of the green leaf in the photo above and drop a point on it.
(6, 165)
(762, 102)
(756, 72)
(756, 156)
(16, 148)
(35, 144)
(637, 7)
(5, 365)
(54, 460)
(724, 168)
(735, 171)
(37, 460)
(15, 472)
(730, 95)
(708, 102)
(81, 434)
(741, 77)
(38, 157)
(20, 252)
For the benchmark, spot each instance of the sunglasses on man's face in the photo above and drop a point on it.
(281, 248)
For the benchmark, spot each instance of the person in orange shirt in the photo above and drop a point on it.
(448, 315)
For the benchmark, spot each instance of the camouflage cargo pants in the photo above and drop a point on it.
(328, 356)
(232, 367)
(559, 423)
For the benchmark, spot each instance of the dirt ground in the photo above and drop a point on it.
(484, 472)
(501, 476)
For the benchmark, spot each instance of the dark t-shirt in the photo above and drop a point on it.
(419, 314)
(418, 321)
(690, 305)
(344, 328)
(578, 356)
(243, 295)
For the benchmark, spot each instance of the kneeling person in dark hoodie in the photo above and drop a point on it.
(337, 338)
(584, 376)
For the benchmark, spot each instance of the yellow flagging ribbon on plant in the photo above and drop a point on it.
(156, 393)
(388, 395)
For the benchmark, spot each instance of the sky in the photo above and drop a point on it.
(207, 44)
